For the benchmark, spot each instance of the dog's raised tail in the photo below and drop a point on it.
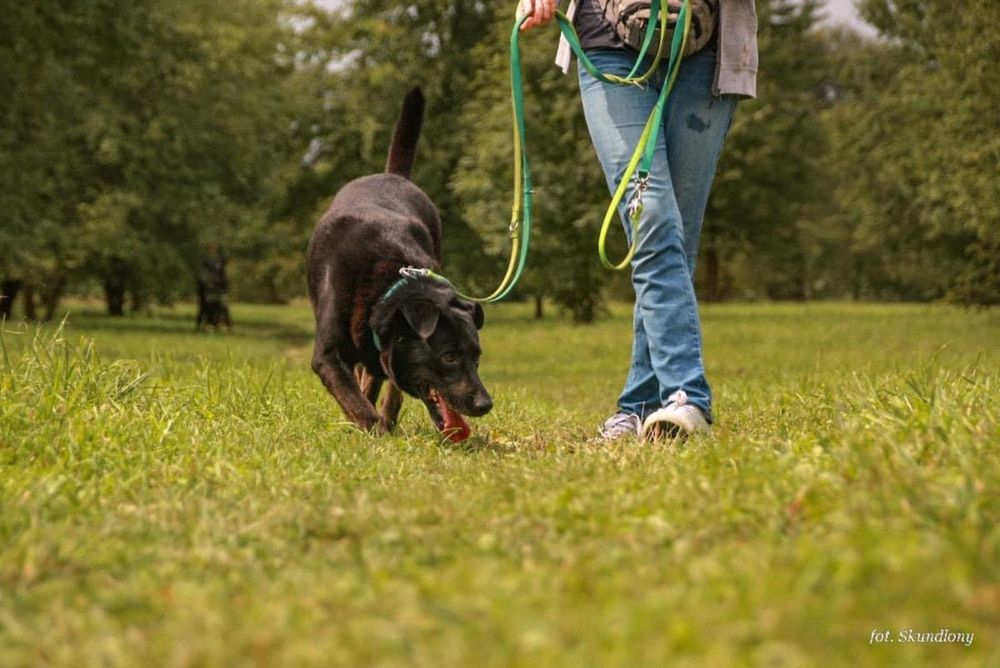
(403, 149)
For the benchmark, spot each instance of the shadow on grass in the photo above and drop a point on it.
(183, 324)
(476, 445)
(508, 444)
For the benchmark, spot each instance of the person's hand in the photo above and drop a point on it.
(539, 12)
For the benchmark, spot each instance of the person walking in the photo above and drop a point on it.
(666, 392)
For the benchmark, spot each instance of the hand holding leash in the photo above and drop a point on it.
(539, 13)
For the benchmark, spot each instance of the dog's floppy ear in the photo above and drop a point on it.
(474, 309)
(422, 316)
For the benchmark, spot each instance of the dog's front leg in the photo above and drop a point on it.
(341, 383)
(392, 401)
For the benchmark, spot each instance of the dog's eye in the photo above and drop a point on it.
(449, 358)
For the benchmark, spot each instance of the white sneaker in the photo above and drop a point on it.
(677, 418)
(620, 425)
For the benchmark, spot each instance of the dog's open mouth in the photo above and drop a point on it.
(448, 421)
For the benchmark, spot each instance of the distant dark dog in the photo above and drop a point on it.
(213, 288)
(375, 324)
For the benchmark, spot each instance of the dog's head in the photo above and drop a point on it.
(429, 342)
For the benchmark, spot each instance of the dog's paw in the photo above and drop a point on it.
(383, 427)
(376, 426)
(369, 424)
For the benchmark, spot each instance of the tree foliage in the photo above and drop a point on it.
(770, 191)
(922, 138)
(570, 195)
(132, 134)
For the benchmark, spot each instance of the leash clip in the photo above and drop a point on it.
(635, 205)
(414, 272)
(420, 272)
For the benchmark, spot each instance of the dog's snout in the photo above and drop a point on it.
(481, 402)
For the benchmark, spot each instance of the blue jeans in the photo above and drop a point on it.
(666, 340)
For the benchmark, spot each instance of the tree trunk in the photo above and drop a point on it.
(114, 295)
(713, 271)
(539, 307)
(50, 299)
(29, 303)
(585, 311)
(856, 273)
(115, 282)
(8, 293)
(138, 300)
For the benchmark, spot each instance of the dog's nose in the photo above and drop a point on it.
(481, 402)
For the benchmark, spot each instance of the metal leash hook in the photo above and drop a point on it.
(635, 205)
(515, 217)
(414, 272)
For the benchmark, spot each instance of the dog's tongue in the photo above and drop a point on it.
(455, 426)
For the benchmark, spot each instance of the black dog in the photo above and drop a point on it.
(375, 323)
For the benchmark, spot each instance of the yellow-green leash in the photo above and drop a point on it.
(639, 165)
(642, 158)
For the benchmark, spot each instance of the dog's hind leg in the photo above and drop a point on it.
(392, 398)
(369, 384)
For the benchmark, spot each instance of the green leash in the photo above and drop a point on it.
(520, 215)
(638, 167)
(642, 158)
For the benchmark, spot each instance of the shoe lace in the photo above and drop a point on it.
(619, 424)
(678, 398)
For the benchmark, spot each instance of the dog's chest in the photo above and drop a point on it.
(366, 294)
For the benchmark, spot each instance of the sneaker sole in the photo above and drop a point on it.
(663, 430)
(656, 428)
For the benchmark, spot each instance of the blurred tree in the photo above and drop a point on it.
(360, 61)
(924, 148)
(771, 188)
(37, 157)
(570, 194)
(136, 132)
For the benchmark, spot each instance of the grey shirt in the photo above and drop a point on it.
(735, 65)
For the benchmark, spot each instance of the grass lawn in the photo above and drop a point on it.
(175, 499)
